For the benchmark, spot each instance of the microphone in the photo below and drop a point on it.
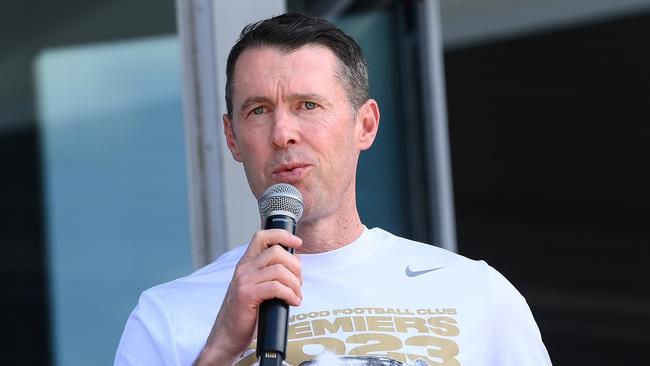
(280, 208)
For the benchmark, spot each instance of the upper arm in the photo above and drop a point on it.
(515, 338)
(148, 337)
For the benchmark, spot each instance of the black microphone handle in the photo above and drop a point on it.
(273, 320)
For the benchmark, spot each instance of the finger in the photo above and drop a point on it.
(279, 273)
(278, 255)
(248, 290)
(263, 239)
(275, 289)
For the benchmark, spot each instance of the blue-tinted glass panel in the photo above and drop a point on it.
(115, 186)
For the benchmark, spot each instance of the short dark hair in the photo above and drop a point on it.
(290, 31)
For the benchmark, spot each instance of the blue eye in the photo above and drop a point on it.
(310, 105)
(258, 110)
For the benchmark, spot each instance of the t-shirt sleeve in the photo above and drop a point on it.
(515, 339)
(148, 337)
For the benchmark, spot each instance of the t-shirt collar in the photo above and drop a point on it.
(345, 256)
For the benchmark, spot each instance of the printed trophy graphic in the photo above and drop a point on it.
(333, 360)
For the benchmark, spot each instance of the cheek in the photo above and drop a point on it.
(252, 148)
(254, 156)
(254, 162)
(342, 155)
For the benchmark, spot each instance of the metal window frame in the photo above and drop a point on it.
(221, 205)
(441, 197)
(203, 147)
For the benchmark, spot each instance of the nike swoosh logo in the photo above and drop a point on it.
(410, 273)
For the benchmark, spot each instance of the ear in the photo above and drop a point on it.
(231, 140)
(368, 119)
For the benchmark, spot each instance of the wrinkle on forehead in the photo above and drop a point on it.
(271, 73)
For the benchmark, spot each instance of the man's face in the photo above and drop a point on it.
(292, 123)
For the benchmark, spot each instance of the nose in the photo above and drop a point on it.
(285, 129)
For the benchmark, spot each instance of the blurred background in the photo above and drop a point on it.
(547, 110)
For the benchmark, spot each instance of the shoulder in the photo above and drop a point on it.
(171, 320)
(472, 274)
(214, 277)
(515, 338)
(513, 335)
(401, 248)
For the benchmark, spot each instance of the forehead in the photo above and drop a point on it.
(265, 69)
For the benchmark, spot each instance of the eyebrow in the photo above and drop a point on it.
(300, 96)
(308, 96)
(253, 100)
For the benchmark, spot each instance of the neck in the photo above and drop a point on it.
(329, 233)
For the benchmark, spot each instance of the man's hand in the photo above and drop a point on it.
(265, 271)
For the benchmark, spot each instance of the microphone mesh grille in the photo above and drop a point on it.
(281, 197)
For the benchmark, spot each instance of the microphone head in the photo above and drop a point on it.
(281, 199)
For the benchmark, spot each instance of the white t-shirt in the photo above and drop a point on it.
(380, 295)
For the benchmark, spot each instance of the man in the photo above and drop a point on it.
(299, 113)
